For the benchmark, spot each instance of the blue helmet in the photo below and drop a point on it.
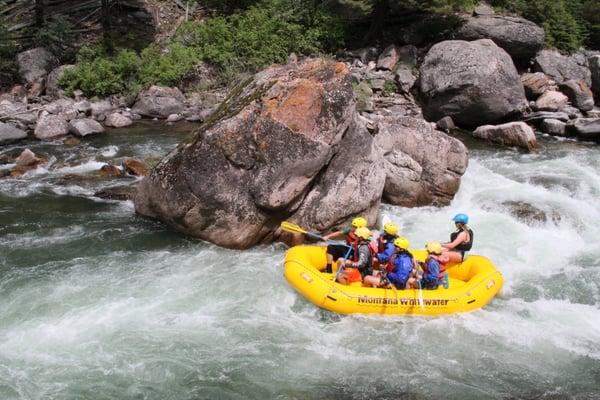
(462, 218)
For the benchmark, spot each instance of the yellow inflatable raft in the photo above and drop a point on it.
(472, 284)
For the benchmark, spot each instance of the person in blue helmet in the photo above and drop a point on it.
(461, 240)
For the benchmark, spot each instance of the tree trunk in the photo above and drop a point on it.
(378, 17)
(39, 12)
(106, 15)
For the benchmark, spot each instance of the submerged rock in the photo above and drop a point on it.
(472, 82)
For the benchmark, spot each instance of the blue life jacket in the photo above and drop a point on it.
(431, 273)
(403, 264)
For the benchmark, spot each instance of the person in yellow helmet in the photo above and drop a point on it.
(385, 244)
(434, 267)
(399, 269)
(336, 251)
(360, 265)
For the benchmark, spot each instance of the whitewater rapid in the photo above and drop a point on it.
(97, 303)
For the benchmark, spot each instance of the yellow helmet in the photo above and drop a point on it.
(359, 222)
(363, 233)
(391, 228)
(434, 247)
(401, 243)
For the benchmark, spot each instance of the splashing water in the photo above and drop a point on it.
(98, 303)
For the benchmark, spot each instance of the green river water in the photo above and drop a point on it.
(98, 303)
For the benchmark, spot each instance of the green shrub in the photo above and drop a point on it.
(168, 68)
(96, 75)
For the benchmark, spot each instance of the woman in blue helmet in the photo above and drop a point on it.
(461, 240)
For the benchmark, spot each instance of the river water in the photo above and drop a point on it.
(98, 303)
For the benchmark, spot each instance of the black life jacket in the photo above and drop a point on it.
(465, 246)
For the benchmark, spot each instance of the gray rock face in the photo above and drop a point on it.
(511, 134)
(553, 127)
(159, 102)
(388, 58)
(85, 127)
(52, 88)
(562, 68)
(9, 133)
(585, 129)
(594, 63)
(472, 82)
(551, 101)
(408, 56)
(536, 84)
(423, 165)
(520, 38)
(579, 93)
(35, 64)
(51, 126)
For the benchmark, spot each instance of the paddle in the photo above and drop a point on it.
(421, 303)
(339, 266)
(289, 227)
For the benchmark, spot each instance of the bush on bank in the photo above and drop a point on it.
(246, 41)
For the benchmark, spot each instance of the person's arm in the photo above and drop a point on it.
(363, 258)
(387, 253)
(398, 275)
(461, 238)
(334, 235)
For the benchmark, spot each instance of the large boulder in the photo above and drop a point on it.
(423, 166)
(35, 64)
(10, 133)
(579, 93)
(521, 38)
(472, 82)
(159, 102)
(511, 134)
(288, 145)
(562, 68)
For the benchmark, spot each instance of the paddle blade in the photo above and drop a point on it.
(289, 227)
